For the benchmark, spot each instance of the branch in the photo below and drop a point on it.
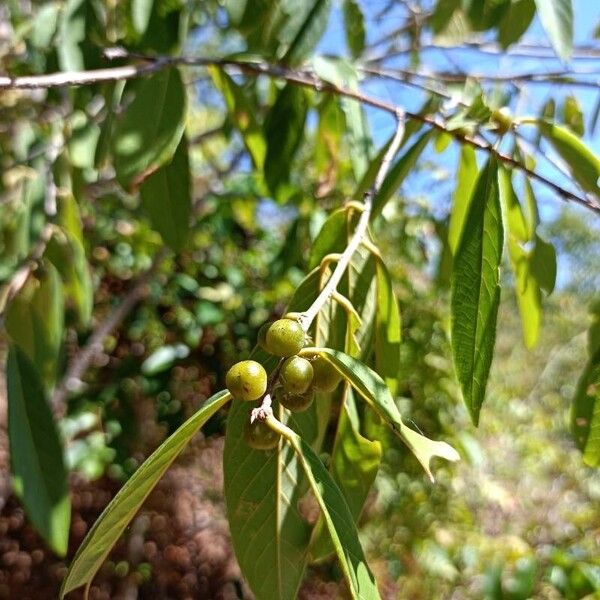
(72, 378)
(306, 318)
(296, 76)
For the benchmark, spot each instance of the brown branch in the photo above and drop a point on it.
(72, 378)
(298, 77)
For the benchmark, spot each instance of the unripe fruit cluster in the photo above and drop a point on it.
(299, 378)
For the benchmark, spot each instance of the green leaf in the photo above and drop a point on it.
(35, 320)
(118, 514)
(527, 289)
(44, 25)
(36, 455)
(461, 199)
(516, 22)
(354, 24)
(72, 34)
(557, 20)
(373, 389)
(338, 519)
(354, 464)
(573, 116)
(543, 264)
(310, 31)
(83, 141)
(585, 410)
(581, 160)
(284, 129)
(66, 252)
(397, 174)
(242, 113)
(332, 238)
(147, 134)
(166, 197)
(476, 290)
(387, 329)
(141, 11)
(341, 73)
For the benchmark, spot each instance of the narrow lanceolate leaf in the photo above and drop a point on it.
(309, 33)
(516, 21)
(35, 320)
(354, 464)
(585, 411)
(147, 134)
(387, 329)
(66, 252)
(166, 197)
(373, 389)
(557, 19)
(583, 163)
(476, 290)
(123, 507)
(338, 520)
(354, 24)
(461, 199)
(36, 456)
(284, 128)
(242, 113)
(527, 289)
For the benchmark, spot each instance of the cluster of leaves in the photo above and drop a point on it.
(124, 148)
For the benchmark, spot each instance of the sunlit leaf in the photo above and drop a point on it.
(316, 15)
(476, 290)
(515, 22)
(36, 455)
(461, 199)
(147, 134)
(373, 389)
(557, 19)
(583, 163)
(118, 514)
(355, 27)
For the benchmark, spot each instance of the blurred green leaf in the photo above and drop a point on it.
(36, 455)
(35, 320)
(338, 520)
(67, 254)
(284, 130)
(166, 197)
(147, 134)
(141, 11)
(543, 264)
(354, 24)
(585, 408)
(557, 20)
(573, 115)
(72, 32)
(515, 22)
(310, 31)
(476, 289)
(581, 160)
(387, 329)
(118, 514)
(242, 113)
(164, 358)
(373, 389)
(463, 193)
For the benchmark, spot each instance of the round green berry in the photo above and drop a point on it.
(326, 378)
(297, 402)
(284, 337)
(296, 375)
(246, 380)
(259, 435)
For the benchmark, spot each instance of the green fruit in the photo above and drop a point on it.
(297, 402)
(246, 380)
(326, 378)
(502, 119)
(296, 375)
(284, 337)
(259, 435)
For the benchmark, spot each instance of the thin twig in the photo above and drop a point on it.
(306, 318)
(298, 77)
